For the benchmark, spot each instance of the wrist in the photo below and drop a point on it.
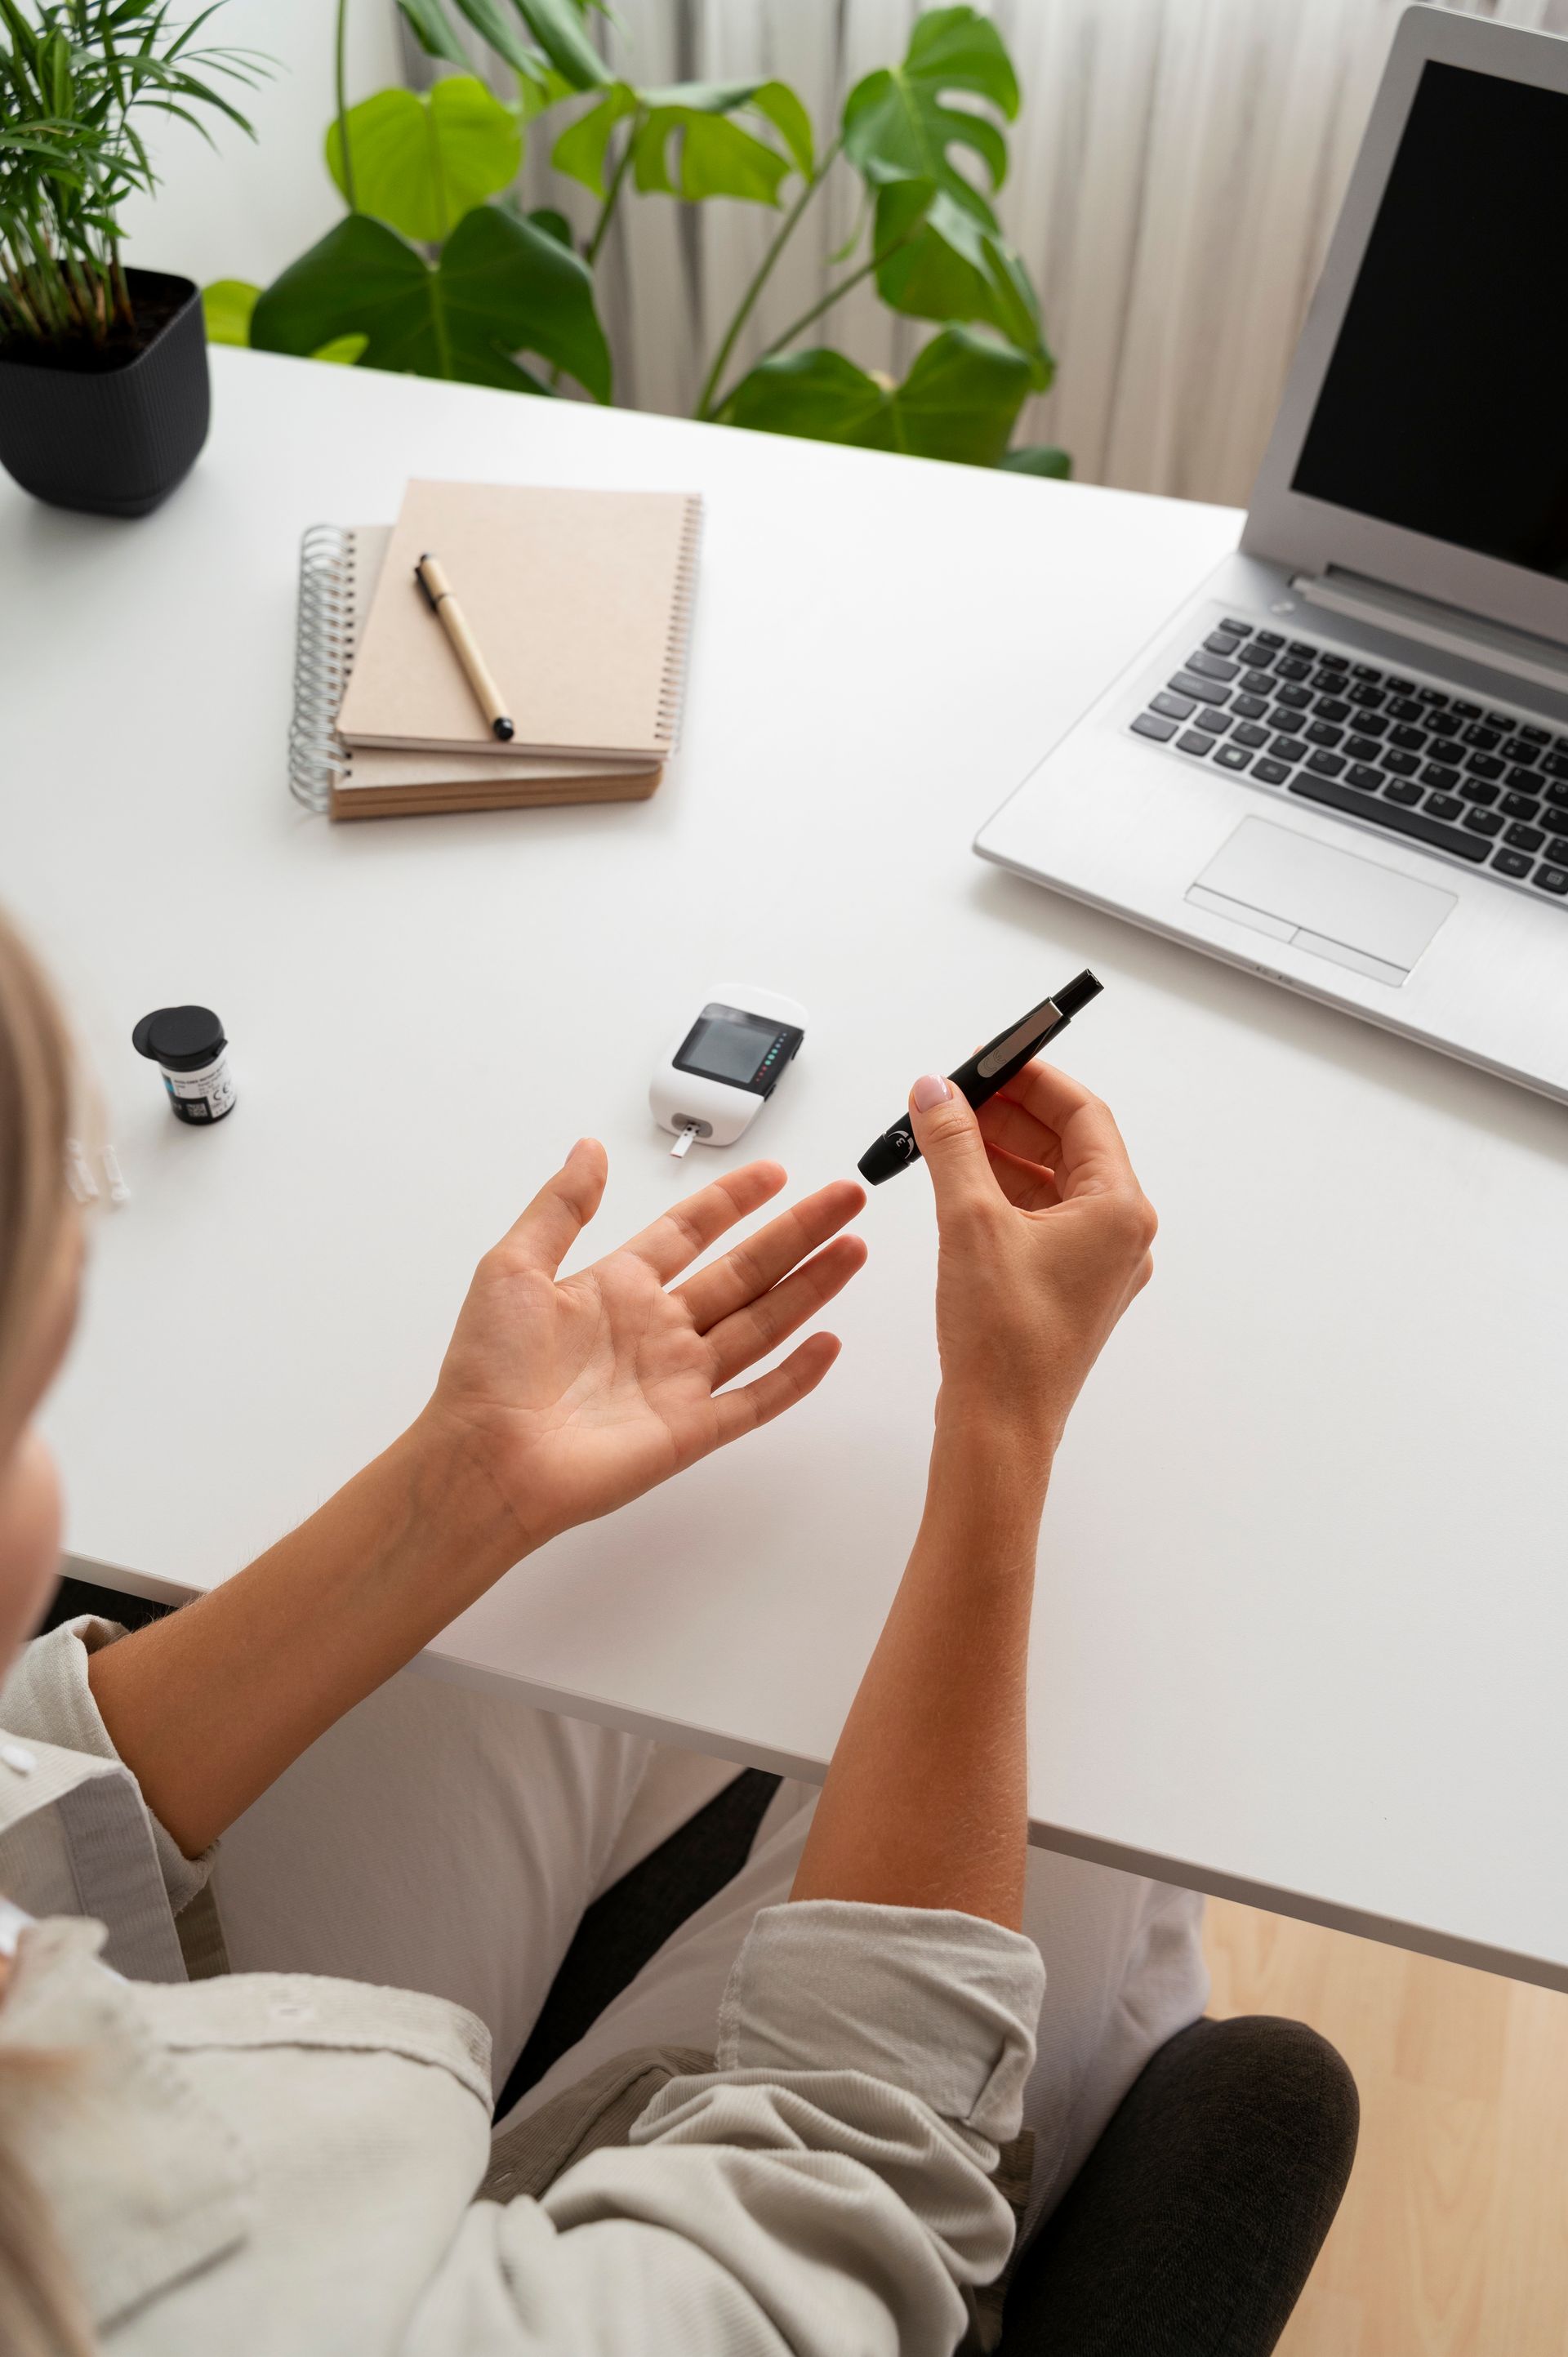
(989, 1478)
(452, 1511)
(1011, 1448)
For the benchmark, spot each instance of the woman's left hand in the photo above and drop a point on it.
(572, 1395)
(558, 1400)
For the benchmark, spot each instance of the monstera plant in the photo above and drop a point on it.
(437, 268)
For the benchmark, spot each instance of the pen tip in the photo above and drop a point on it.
(503, 730)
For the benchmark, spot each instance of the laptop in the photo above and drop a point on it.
(1344, 764)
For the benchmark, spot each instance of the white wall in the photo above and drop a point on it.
(244, 211)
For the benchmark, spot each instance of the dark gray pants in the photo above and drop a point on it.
(1193, 2224)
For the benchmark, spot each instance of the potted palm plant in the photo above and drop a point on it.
(103, 392)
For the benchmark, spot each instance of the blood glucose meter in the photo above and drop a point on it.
(722, 1068)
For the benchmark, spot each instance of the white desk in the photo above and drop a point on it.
(1302, 1633)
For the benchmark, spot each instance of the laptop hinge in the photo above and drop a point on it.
(1445, 628)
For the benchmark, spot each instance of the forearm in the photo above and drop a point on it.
(209, 1706)
(926, 1801)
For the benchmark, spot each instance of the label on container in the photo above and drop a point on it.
(206, 1095)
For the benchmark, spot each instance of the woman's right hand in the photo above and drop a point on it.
(1044, 1236)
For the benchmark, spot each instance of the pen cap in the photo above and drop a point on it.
(1077, 993)
(879, 1162)
(892, 1152)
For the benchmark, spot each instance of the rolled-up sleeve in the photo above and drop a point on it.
(826, 2188)
(46, 1696)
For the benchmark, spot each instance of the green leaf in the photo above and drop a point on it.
(580, 151)
(421, 161)
(958, 49)
(941, 263)
(1038, 458)
(555, 25)
(818, 394)
(434, 30)
(60, 75)
(554, 224)
(789, 117)
(719, 157)
(342, 351)
(896, 127)
(227, 306)
(501, 287)
(541, 87)
(959, 400)
(684, 144)
(857, 231)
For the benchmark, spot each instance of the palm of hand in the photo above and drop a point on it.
(583, 1393)
(573, 1395)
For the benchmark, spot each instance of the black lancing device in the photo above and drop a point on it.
(987, 1073)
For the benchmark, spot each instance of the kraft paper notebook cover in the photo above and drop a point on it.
(580, 601)
(339, 567)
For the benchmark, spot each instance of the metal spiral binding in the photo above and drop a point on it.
(324, 651)
(673, 683)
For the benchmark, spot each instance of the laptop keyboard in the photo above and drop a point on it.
(1479, 785)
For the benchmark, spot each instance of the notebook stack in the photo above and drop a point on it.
(581, 602)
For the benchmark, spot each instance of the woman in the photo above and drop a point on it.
(263, 2160)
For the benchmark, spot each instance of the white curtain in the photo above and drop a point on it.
(1177, 166)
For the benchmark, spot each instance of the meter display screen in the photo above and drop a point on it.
(745, 1051)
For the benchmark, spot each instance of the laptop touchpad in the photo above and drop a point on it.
(1332, 902)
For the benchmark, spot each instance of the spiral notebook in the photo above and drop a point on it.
(339, 569)
(579, 600)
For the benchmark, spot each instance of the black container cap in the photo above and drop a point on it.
(182, 1038)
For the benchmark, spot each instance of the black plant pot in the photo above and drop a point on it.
(112, 440)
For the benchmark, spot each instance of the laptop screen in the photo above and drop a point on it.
(1445, 408)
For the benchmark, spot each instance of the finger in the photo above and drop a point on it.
(781, 1387)
(1005, 1121)
(949, 1136)
(689, 1227)
(759, 1261)
(750, 1333)
(1046, 1093)
(1092, 1157)
(1028, 1185)
(545, 1233)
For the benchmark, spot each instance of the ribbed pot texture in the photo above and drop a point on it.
(118, 441)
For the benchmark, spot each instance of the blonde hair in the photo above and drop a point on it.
(41, 2313)
(34, 1116)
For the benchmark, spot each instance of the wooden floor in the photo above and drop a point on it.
(1453, 2238)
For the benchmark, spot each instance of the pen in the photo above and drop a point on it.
(988, 1070)
(438, 597)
